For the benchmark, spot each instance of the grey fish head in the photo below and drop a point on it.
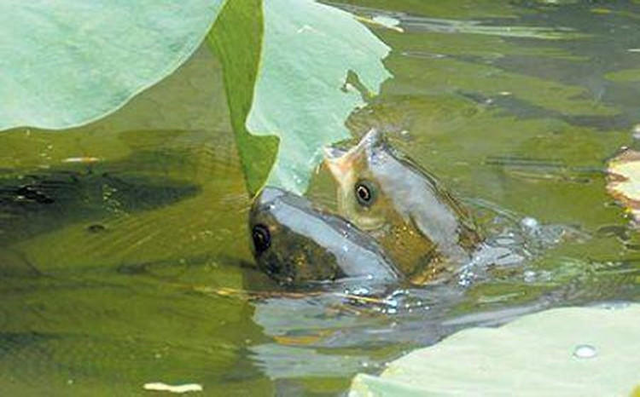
(382, 189)
(296, 243)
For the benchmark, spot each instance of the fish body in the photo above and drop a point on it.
(296, 243)
(422, 226)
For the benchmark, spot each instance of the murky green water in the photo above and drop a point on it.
(123, 246)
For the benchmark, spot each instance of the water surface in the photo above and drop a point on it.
(123, 244)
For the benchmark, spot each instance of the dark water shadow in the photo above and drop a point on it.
(45, 200)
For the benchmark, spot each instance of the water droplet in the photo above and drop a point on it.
(585, 351)
(390, 302)
(360, 291)
(529, 276)
(529, 222)
(399, 292)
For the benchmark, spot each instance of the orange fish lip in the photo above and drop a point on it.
(340, 161)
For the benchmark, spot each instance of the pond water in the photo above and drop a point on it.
(124, 252)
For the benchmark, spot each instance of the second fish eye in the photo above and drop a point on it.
(261, 238)
(365, 192)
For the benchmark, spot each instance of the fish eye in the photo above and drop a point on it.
(365, 192)
(261, 238)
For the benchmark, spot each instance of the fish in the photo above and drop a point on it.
(422, 226)
(297, 244)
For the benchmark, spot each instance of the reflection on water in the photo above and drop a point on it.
(37, 203)
(134, 267)
(499, 284)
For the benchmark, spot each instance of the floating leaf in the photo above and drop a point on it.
(65, 63)
(300, 96)
(567, 352)
(624, 180)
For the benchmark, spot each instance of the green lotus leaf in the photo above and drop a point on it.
(559, 352)
(65, 63)
(624, 181)
(300, 94)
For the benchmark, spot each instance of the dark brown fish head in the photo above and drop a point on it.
(296, 243)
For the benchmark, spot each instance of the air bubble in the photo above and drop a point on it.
(391, 303)
(360, 291)
(529, 222)
(529, 276)
(585, 351)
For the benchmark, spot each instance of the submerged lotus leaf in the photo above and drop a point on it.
(65, 63)
(559, 352)
(300, 95)
(624, 180)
